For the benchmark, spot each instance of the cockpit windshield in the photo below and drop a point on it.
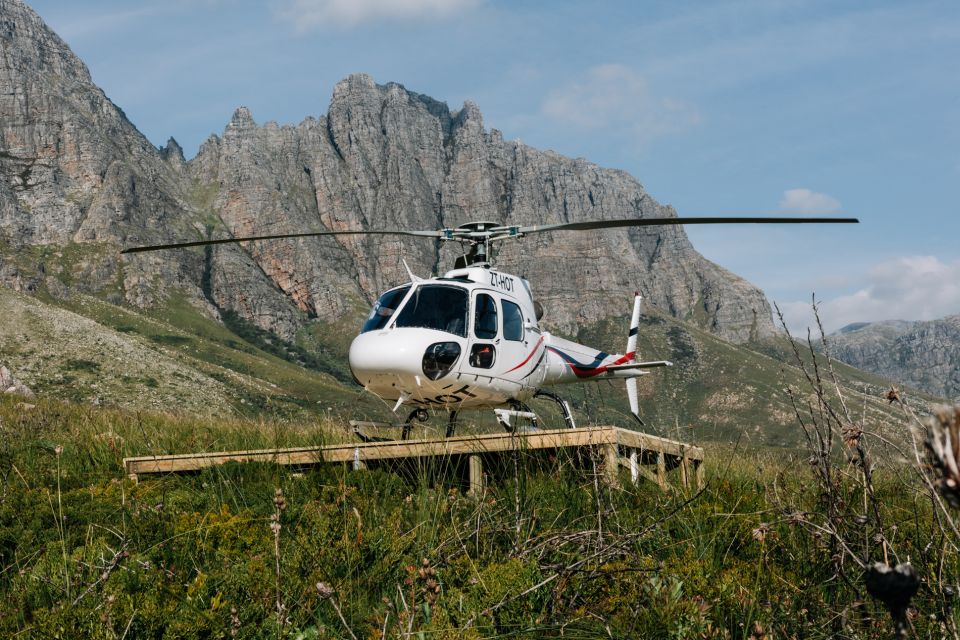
(439, 307)
(384, 308)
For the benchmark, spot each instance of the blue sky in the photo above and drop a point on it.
(745, 107)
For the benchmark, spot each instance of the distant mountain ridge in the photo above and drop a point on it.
(924, 355)
(78, 181)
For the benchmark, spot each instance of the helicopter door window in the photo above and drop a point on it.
(383, 309)
(483, 355)
(438, 307)
(485, 317)
(512, 321)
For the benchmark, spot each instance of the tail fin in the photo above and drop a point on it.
(632, 353)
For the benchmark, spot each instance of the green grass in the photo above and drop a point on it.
(85, 552)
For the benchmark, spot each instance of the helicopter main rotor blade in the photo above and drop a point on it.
(653, 222)
(204, 243)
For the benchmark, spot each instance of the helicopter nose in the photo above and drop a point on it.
(394, 353)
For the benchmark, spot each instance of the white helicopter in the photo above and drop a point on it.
(471, 339)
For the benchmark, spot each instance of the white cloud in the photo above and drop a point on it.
(807, 202)
(310, 14)
(908, 288)
(614, 96)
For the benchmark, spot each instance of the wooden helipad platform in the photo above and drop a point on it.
(645, 456)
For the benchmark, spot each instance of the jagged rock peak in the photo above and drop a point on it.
(30, 43)
(387, 157)
(172, 152)
(242, 118)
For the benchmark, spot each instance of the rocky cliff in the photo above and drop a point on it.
(924, 355)
(77, 181)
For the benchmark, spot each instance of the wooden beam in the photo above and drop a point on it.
(646, 474)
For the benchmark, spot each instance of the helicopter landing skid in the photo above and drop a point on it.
(517, 410)
(563, 404)
(357, 425)
(420, 415)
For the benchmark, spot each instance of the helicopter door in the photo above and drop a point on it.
(514, 348)
(482, 355)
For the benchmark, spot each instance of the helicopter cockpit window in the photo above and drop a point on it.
(436, 307)
(383, 309)
(512, 321)
(485, 317)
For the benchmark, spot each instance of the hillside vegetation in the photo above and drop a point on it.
(174, 358)
(261, 551)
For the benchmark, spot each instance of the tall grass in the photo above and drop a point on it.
(547, 550)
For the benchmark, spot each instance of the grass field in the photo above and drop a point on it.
(260, 551)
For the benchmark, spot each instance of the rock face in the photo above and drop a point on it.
(9, 384)
(74, 172)
(924, 355)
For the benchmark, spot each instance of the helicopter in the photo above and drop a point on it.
(471, 339)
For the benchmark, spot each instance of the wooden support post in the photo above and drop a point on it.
(358, 462)
(661, 470)
(634, 468)
(475, 464)
(611, 464)
(684, 471)
(698, 471)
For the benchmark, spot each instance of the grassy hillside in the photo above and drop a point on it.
(259, 551)
(175, 358)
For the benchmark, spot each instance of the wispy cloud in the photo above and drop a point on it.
(807, 202)
(907, 288)
(306, 15)
(613, 96)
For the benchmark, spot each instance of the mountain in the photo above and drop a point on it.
(923, 355)
(265, 326)
(78, 181)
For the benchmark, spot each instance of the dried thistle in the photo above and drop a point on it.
(851, 435)
(943, 452)
(797, 518)
(324, 590)
(278, 500)
(893, 395)
(234, 622)
(760, 533)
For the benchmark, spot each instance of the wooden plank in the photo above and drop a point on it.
(366, 451)
(638, 440)
(359, 454)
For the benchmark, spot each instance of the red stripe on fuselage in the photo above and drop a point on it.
(595, 371)
(527, 359)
